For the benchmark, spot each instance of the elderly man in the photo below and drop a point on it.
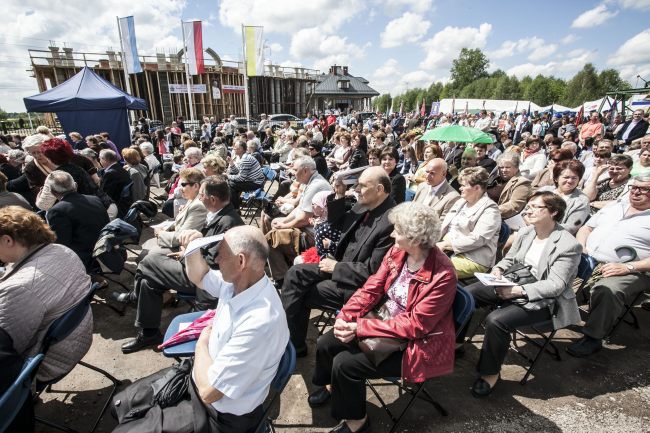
(285, 230)
(618, 237)
(364, 241)
(159, 272)
(76, 219)
(237, 357)
(243, 175)
(114, 179)
(436, 191)
(633, 129)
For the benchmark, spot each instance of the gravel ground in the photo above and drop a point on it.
(608, 392)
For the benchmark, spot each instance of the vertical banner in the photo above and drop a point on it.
(194, 46)
(254, 40)
(423, 111)
(129, 46)
(435, 109)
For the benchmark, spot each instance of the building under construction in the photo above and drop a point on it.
(218, 92)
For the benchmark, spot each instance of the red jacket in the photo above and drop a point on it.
(428, 321)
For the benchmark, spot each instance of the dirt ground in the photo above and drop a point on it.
(608, 392)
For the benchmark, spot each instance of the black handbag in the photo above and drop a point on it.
(520, 274)
(377, 349)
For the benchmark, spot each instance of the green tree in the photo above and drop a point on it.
(3, 114)
(610, 81)
(506, 88)
(382, 102)
(470, 65)
(584, 86)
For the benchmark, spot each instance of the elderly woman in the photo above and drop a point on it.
(545, 177)
(213, 165)
(389, 157)
(137, 172)
(341, 152)
(603, 193)
(511, 190)
(533, 158)
(13, 167)
(567, 175)
(43, 281)
(418, 283)
(470, 230)
(552, 255)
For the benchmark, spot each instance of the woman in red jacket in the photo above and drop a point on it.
(418, 282)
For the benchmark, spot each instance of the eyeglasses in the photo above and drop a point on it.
(532, 207)
(184, 184)
(640, 189)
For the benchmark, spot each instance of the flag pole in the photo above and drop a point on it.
(246, 100)
(188, 77)
(126, 72)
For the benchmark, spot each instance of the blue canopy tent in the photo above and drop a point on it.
(88, 104)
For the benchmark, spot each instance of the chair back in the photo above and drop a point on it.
(68, 322)
(282, 376)
(463, 308)
(586, 267)
(504, 234)
(20, 390)
(269, 173)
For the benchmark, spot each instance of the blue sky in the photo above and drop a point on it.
(395, 44)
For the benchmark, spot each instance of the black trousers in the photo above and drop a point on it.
(306, 287)
(155, 274)
(346, 368)
(236, 188)
(499, 325)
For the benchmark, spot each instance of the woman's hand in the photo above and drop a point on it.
(497, 272)
(509, 292)
(345, 331)
(326, 243)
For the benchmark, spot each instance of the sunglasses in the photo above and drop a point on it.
(184, 184)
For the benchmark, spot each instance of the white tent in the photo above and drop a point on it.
(606, 104)
(557, 108)
(496, 105)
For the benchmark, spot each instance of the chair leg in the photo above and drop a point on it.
(440, 408)
(628, 310)
(381, 401)
(542, 349)
(116, 383)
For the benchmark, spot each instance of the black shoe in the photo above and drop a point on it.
(584, 347)
(343, 428)
(141, 342)
(319, 397)
(481, 388)
(124, 298)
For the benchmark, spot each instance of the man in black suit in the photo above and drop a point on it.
(364, 242)
(76, 219)
(159, 272)
(482, 160)
(113, 180)
(633, 129)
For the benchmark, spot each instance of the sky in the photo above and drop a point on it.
(395, 44)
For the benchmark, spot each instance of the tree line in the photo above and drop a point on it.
(469, 78)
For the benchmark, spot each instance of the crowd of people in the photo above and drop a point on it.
(367, 222)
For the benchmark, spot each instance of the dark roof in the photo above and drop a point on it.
(328, 85)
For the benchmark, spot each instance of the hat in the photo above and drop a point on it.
(557, 115)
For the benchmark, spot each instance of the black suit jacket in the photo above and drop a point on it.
(77, 220)
(227, 218)
(358, 259)
(637, 132)
(113, 181)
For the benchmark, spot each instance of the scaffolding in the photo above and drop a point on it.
(217, 93)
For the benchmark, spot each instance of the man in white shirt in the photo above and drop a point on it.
(237, 357)
(484, 122)
(618, 237)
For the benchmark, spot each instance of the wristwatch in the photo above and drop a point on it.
(630, 267)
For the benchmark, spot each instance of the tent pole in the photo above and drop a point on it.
(126, 73)
(246, 97)
(187, 74)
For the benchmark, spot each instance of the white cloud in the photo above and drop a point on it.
(593, 17)
(408, 28)
(420, 6)
(635, 50)
(288, 16)
(324, 50)
(569, 39)
(576, 59)
(275, 47)
(535, 47)
(389, 78)
(445, 45)
(635, 4)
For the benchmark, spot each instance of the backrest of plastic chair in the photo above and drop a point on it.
(269, 173)
(586, 267)
(68, 322)
(463, 308)
(504, 234)
(285, 369)
(20, 390)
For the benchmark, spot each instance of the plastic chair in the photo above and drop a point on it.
(13, 399)
(285, 370)
(58, 331)
(462, 309)
(255, 201)
(183, 350)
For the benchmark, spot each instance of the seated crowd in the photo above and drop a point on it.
(368, 224)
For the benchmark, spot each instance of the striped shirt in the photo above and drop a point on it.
(246, 169)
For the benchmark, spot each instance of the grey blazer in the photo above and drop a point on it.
(557, 269)
(192, 216)
(441, 201)
(577, 209)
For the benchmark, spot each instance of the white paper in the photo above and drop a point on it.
(491, 280)
(197, 244)
(516, 222)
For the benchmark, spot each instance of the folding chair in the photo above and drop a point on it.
(634, 322)
(254, 201)
(13, 399)
(462, 309)
(325, 319)
(585, 269)
(58, 331)
(282, 376)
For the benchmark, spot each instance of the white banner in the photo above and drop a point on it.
(182, 88)
(231, 88)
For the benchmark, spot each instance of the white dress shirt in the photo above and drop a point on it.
(249, 336)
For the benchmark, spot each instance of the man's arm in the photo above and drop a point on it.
(196, 268)
(582, 236)
(202, 362)
(296, 219)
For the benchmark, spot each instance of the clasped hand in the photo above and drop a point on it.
(345, 331)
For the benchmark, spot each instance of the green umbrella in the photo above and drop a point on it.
(457, 133)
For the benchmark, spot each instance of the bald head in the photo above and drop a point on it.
(373, 187)
(436, 171)
(249, 241)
